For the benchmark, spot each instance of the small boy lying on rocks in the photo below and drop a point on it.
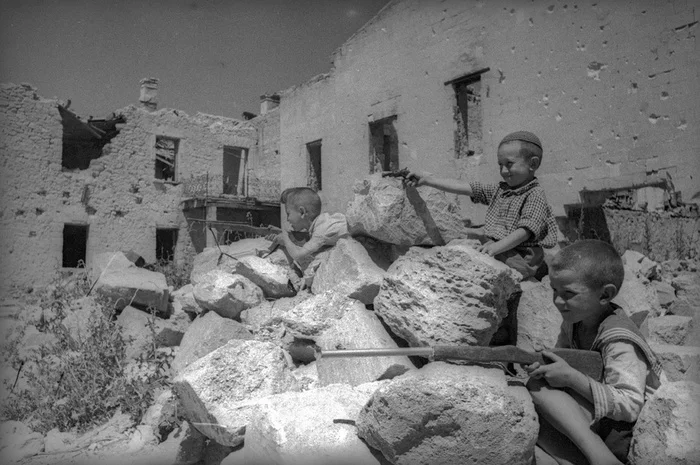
(303, 209)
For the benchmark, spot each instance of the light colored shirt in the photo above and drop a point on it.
(325, 231)
(628, 378)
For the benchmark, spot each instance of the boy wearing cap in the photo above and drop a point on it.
(519, 221)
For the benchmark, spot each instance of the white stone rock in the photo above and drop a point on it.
(680, 363)
(227, 294)
(134, 286)
(445, 295)
(637, 297)
(349, 270)
(381, 209)
(18, 441)
(451, 414)
(672, 329)
(218, 391)
(206, 334)
(666, 432)
(538, 320)
(310, 428)
(271, 278)
(640, 264)
(185, 297)
(687, 301)
(358, 328)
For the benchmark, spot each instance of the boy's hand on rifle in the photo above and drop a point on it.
(557, 374)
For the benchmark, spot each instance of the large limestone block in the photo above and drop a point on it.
(134, 286)
(349, 270)
(679, 363)
(445, 295)
(666, 432)
(218, 391)
(310, 318)
(185, 298)
(640, 264)
(672, 329)
(314, 427)
(227, 294)
(451, 414)
(107, 262)
(271, 278)
(687, 303)
(206, 334)
(142, 330)
(225, 257)
(269, 311)
(637, 297)
(538, 320)
(358, 328)
(383, 210)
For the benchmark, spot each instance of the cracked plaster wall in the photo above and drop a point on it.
(611, 88)
(117, 196)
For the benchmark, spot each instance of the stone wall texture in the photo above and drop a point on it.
(117, 197)
(609, 87)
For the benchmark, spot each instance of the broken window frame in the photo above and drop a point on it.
(165, 165)
(239, 187)
(390, 161)
(466, 100)
(314, 175)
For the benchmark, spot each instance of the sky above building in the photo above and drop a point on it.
(210, 56)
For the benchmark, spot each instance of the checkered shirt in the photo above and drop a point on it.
(510, 209)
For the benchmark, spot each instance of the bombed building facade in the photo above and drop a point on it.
(609, 87)
(159, 183)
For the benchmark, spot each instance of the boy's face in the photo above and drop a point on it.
(515, 169)
(296, 216)
(576, 300)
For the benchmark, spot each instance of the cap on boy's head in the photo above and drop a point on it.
(523, 136)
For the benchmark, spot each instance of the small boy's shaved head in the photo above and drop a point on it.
(302, 197)
(530, 144)
(597, 261)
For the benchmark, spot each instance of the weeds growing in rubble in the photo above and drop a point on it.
(81, 379)
(176, 275)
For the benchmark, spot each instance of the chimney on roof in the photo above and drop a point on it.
(268, 102)
(149, 94)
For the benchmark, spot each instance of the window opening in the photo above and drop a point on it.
(467, 113)
(235, 163)
(313, 150)
(166, 240)
(166, 157)
(84, 141)
(75, 238)
(384, 145)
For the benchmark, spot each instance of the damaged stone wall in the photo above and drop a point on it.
(609, 87)
(117, 198)
(264, 166)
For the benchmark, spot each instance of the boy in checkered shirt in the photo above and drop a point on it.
(519, 221)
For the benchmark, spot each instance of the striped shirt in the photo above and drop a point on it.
(632, 371)
(510, 209)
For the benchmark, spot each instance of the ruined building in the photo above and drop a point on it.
(157, 182)
(610, 87)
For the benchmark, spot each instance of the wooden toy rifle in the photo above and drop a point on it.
(586, 361)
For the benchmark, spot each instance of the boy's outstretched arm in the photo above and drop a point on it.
(298, 252)
(455, 186)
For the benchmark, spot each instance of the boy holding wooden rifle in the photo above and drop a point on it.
(583, 420)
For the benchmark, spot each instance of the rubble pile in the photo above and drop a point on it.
(250, 384)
